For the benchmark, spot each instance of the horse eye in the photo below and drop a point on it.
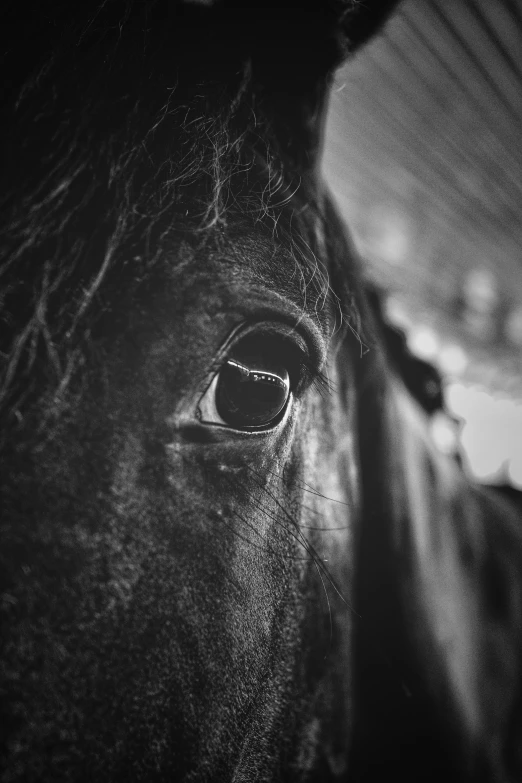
(253, 386)
(251, 394)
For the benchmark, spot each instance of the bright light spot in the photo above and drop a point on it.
(485, 455)
(491, 435)
(396, 313)
(480, 290)
(390, 235)
(452, 360)
(423, 342)
(444, 433)
(481, 299)
(457, 396)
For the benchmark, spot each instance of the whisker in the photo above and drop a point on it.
(329, 608)
(308, 488)
(324, 529)
(310, 548)
(266, 547)
(236, 533)
(313, 557)
(300, 540)
(312, 491)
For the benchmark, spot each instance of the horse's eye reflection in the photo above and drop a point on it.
(251, 395)
(253, 386)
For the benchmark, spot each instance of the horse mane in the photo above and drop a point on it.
(63, 252)
(95, 105)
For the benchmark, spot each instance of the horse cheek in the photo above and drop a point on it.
(329, 509)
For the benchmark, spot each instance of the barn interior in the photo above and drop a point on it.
(424, 156)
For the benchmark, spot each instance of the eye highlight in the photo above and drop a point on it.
(256, 382)
(251, 393)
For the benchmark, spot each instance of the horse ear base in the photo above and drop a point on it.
(362, 21)
(295, 48)
(348, 24)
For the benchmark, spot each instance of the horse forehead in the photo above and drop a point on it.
(236, 274)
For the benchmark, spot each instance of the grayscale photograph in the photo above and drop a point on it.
(261, 391)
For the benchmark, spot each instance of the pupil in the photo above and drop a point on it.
(251, 393)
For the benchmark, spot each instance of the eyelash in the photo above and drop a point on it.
(315, 378)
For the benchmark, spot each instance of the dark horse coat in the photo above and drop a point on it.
(228, 550)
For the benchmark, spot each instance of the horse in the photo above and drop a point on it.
(229, 549)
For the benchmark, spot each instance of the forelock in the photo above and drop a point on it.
(110, 160)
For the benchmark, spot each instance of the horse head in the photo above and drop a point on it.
(179, 456)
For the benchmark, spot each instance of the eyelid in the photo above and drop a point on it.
(308, 341)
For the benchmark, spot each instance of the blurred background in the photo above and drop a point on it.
(424, 156)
